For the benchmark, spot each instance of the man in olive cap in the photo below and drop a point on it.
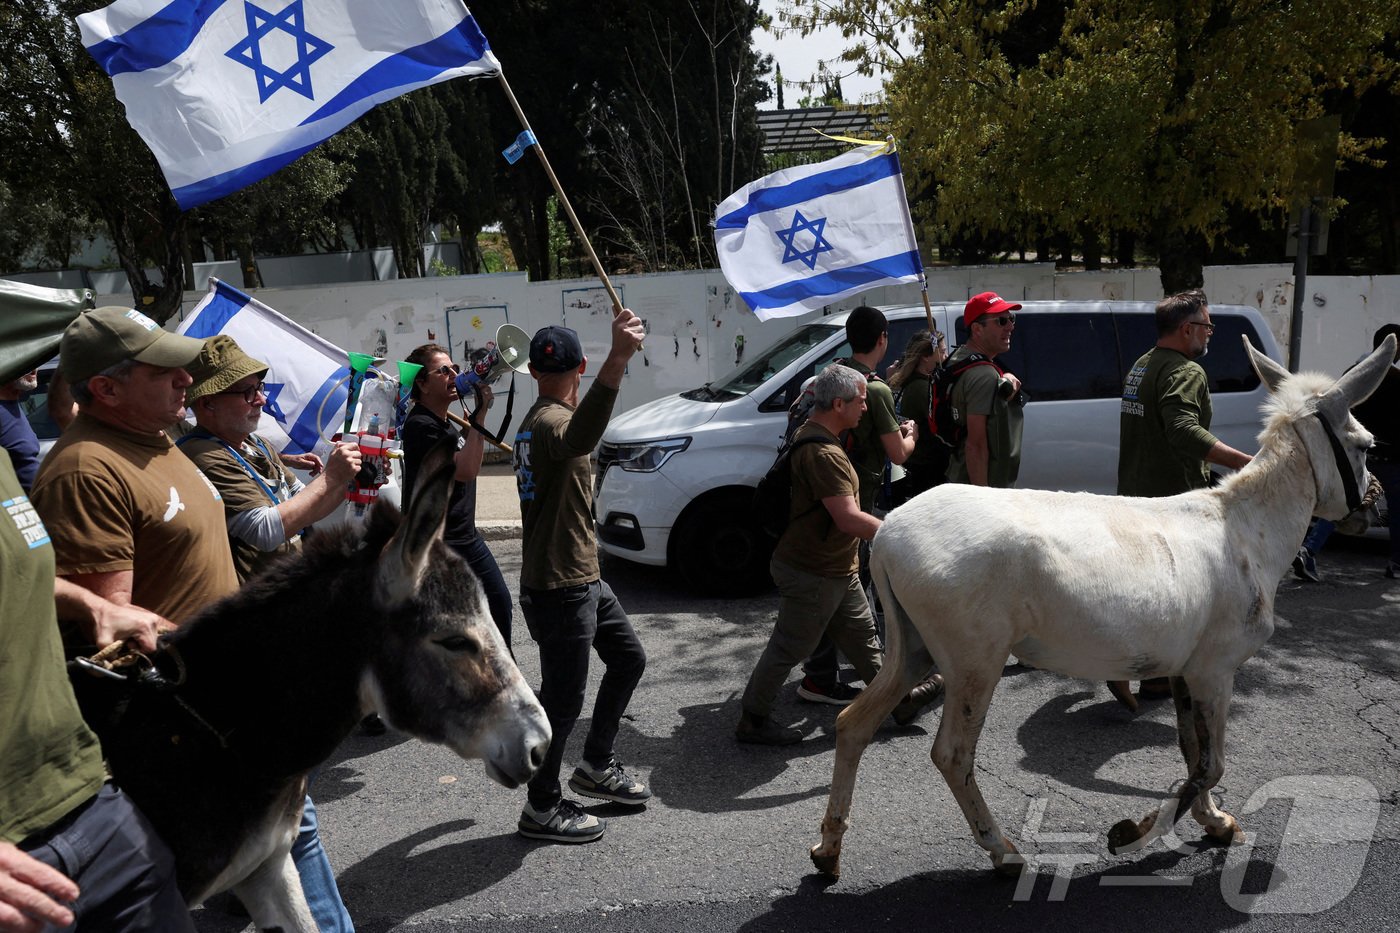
(129, 514)
(266, 507)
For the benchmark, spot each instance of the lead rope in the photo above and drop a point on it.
(120, 654)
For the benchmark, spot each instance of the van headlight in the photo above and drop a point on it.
(649, 457)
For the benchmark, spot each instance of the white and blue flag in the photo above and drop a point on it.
(308, 377)
(799, 239)
(226, 92)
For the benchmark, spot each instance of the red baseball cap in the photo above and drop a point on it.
(986, 303)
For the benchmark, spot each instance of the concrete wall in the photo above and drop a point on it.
(694, 319)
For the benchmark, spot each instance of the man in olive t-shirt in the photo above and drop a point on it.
(73, 848)
(987, 405)
(1164, 439)
(568, 608)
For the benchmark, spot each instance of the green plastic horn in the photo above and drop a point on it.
(407, 373)
(359, 365)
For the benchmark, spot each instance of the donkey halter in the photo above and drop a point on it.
(1355, 501)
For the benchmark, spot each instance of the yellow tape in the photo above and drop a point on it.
(886, 144)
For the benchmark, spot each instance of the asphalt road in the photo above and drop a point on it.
(422, 840)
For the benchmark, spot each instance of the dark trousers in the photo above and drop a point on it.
(124, 872)
(483, 563)
(567, 623)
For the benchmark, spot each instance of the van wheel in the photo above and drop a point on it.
(718, 549)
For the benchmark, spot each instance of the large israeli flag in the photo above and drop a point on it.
(802, 238)
(226, 92)
(308, 376)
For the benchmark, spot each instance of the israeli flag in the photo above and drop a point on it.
(226, 92)
(308, 377)
(804, 237)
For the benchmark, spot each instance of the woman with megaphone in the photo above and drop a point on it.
(434, 390)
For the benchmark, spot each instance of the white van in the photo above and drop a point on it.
(676, 476)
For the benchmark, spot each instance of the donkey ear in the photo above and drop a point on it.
(1272, 373)
(1357, 383)
(405, 557)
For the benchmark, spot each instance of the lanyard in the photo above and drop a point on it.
(247, 467)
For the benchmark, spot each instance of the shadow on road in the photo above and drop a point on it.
(392, 878)
(962, 899)
(1073, 745)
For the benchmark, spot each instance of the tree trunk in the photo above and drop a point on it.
(248, 264)
(1093, 249)
(1180, 260)
(1125, 253)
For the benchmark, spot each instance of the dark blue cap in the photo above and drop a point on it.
(555, 350)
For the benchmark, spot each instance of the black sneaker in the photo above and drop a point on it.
(760, 730)
(611, 783)
(567, 823)
(1305, 566)
(918, 700)
(838, 694)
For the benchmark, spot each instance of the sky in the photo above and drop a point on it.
(799, 58)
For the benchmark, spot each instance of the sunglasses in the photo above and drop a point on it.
(1210, 328)
(250, 394)
(449, 370)
(1003, 320)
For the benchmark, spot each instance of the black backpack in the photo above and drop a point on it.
(772, 499)
(941, 425)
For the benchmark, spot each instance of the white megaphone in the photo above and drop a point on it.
(511, 351)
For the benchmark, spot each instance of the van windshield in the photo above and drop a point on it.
(750, 376)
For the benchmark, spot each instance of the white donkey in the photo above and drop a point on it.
(1105, 588)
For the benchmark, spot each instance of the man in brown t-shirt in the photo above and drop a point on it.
(568, 608)
(132, 519)
(816, 563)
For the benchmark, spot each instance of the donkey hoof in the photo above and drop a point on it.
(1008, 865)
(1230, 834)
(1124, 836)
(829, 865)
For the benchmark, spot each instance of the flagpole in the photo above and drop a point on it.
(559, 189)
(909, 228)
(463, 422)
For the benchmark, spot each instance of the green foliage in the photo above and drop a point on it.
(1153, 117)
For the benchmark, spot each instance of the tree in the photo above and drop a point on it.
(60, 118)
(1154, 117)
(645, 139)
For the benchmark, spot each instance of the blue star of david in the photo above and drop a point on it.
(272, 390)
(807, 257)
(292, 21)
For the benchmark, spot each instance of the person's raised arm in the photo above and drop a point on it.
(627, 336)
(324, 494)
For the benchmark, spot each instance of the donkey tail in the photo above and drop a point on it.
(904, 664)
